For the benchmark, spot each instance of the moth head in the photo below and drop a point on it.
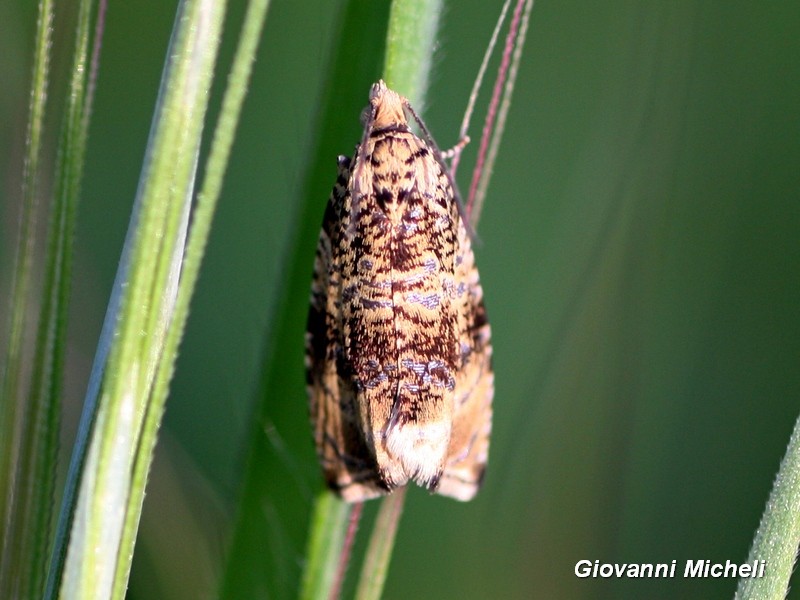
(386, 107)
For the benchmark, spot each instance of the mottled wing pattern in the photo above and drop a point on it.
(346, 461)
(472, 424)
(398, 346)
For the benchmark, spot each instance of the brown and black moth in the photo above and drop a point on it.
(398, 345)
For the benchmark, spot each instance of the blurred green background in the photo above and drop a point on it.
(639, 252)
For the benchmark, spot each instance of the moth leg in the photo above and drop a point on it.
(457, 149)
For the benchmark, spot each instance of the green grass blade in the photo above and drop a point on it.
(201, 227)
(413, 25)
(328, 528)
(28, 534)
(10, 391)
(381, 544)
(271, 526)
(409, 46)
(96, 563)
(410, 39)
(778, 534)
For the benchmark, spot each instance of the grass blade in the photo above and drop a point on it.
(97, 557)
(409, 48)
(381, 545)
(11, 422)
(202, 219)
(778, 534)
(27, 537)
(272, 520)
(326, 540)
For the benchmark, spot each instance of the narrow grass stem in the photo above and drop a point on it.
(381, 545)
(778, 535)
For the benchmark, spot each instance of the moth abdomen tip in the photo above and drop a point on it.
(433, 483)
(421, 450)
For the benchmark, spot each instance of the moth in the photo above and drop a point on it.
(398, 349)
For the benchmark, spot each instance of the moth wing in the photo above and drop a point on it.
(347, 463)
(474, 390)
